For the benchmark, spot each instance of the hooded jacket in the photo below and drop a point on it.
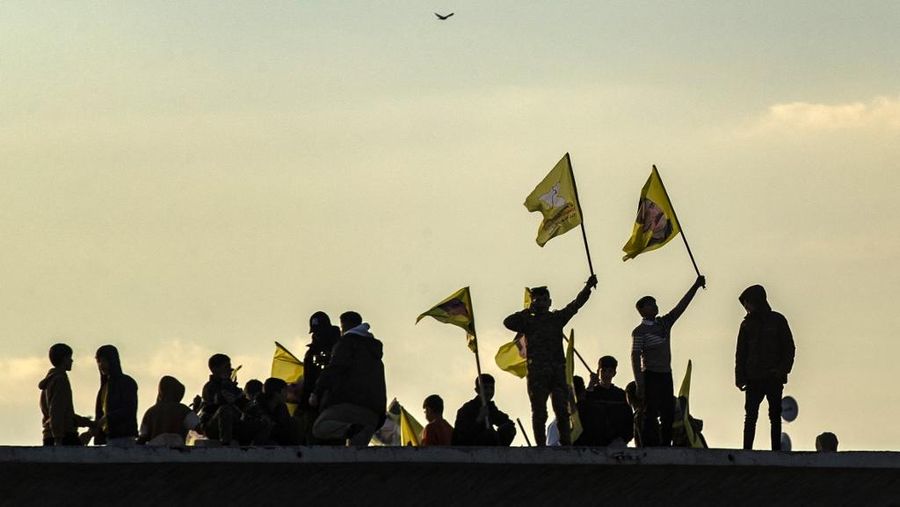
(116, 399)
(355, 374)
(318, 354)
(168, 414)
(59, 418)
(765, 345)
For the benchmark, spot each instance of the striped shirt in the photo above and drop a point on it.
(652, 339)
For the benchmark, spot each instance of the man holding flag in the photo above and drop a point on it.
(543, 330)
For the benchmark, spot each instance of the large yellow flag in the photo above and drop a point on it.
(456, 310)
(574, 419)
(410, 429)
(556, 199)
(286, 366)
(513, 356)
(656, 223)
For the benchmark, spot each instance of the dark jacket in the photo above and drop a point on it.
(544, 331)
(355, 374)
(467, 430)
(218, 392)
(605, 416)
(117, 399)
(168, 414)
(765, 345)
(318, 355)
(58, 413)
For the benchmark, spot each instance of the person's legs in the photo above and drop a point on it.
(538, 392)
(336, 422)
(666, 409)
(773, 397)
(652, 409)
(559, 398)
(753, 397)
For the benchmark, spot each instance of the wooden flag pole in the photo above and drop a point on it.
(587, 250)
(680, 227)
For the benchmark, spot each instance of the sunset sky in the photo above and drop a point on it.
(185, 178)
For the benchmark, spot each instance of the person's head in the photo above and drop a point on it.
(319, 321)
(646, 306)
(252, 388)
(349, 320)
(108, 360)
(434, 408)
(220, 365)
(61, 356)
(827, 442)
(578, 386)
(607, 368)
(540, 299)
(753, 299)
(170, 390)
(486, 381)
(274, 388)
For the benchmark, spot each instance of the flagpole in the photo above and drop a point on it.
(566, 338)
(524, 434)
(675, 216)
(484, 402)
(580, 214)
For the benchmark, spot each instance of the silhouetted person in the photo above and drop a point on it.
(252, 389)
(318, 355)
(764, 357)
(220, 417)
(438, 431)
(168, 421)
(543, 330)
(117, 401)
(281, 427)
(351, 389)
(637, 406)
(59, 420)
(827, 442)
(470, 427)
(580, 392)
(606, 417)
(651, 360)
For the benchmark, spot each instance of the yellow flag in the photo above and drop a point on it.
(574, 419)
(286, 366)
(410, 429)
(555, 198)
(512, 356)
(685, 393)
(456, 309)
(656, 223)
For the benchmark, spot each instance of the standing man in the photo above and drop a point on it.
(543, 330)
(605, 414)
(59, 421)
(117, 402)
(351, 390)
(651, 360)
(764, 357)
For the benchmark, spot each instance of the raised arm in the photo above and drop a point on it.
(682, 305)
(572, 308)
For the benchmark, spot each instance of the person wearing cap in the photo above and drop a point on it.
(324, 335)
(543, 330)
(763, 360)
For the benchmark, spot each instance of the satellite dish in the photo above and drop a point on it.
(789, 409)
(785, 442)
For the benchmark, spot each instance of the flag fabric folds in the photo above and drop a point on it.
(655, 224)
(410, 429)
(557, 201)
(684, 427)
(512, 357)
(456, 309)
(574, 419)
(286, 366)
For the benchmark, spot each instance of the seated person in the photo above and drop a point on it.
(273, 424)
(438, 431)
(168, 421)
(223, 400)
(606, 416)
(470, 427)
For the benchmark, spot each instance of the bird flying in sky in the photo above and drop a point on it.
(442, 18)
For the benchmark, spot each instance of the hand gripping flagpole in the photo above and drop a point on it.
(680, 227)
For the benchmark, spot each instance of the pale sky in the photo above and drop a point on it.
(184, 178)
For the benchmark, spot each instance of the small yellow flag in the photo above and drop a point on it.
(410, 429)
(655, 224)
(555, 198)
(695, 440)
(574, 418)
(456, 309)
(513, 356)
(286, 366)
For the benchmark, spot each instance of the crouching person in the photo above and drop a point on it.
(220, 417)
(351, 390)
(167, 423)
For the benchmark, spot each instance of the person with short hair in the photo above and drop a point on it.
(167, 423)
(606, 417)
(543, 330)
(220, 417)
(252, 389)
(351, 391)
(117, 401)
(651, 360)
(59, 421)
(438, 431)
(827, 442)
(470, 427)
(763, 360)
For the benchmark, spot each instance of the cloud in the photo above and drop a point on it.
(881, 113)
